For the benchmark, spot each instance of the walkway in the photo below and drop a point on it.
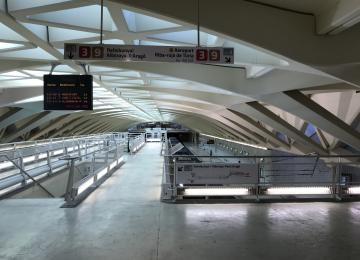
(124, 220)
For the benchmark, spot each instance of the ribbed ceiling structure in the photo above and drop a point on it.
(289, 88)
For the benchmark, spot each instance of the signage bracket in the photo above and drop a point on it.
(83, 66)
(53, 66)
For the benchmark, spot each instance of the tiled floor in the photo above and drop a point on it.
(123, 219)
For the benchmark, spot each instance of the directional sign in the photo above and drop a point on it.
(68, 92)
(216, 55)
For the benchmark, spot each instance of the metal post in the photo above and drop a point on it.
(101, 21)
(107, 155)
(174, 181)
(334, 181)
(21, 164)
(70, 182)
(48, 158)
(93, 164)
(198, 23)
(339, 194)
(258, 179)
(79, 150)
(63, 146)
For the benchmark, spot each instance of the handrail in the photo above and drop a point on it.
(17, 152)
(79, 147)
(52, 140)
(4, 155)
(28, 175)
(85, 155)
(265, 156)
(73, 194)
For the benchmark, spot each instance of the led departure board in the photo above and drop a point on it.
(68, 92)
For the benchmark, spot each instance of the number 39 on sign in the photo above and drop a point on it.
(91, 52)
(126, 53)
(207, 55)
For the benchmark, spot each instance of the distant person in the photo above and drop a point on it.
(210, 152)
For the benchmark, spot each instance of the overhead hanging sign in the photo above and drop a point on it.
(215, 55)
(68, 92)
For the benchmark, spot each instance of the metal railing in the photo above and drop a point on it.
(101, 166)
(233, 147)
(262, 177)
(136, 143)
(24, 162)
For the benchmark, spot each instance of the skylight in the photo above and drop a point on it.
(187, 37)
(86, 16)
(139, 22)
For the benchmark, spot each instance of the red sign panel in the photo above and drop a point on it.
(84, 52)
(201, 55)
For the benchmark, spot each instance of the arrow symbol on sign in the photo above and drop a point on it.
(71, 55)
(227, 59)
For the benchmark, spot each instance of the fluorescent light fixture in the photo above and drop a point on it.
(298, 191)
(29, 159)
(85, 185)
(57, 152)
(216, 191)
(4, 165)
(42, 155)
(101, 173)
(354, 190)
(236, 142)
(121, 159)
(113, 164)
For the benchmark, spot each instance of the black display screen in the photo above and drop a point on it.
(68, 92)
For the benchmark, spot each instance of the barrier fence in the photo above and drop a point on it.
(24, 163)
(261, 177)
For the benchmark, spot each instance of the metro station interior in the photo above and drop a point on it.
(254, 155)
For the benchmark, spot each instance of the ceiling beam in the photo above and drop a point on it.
(258, 111)
(304, 107)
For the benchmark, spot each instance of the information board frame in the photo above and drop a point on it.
(127, 53)
(68, 92)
